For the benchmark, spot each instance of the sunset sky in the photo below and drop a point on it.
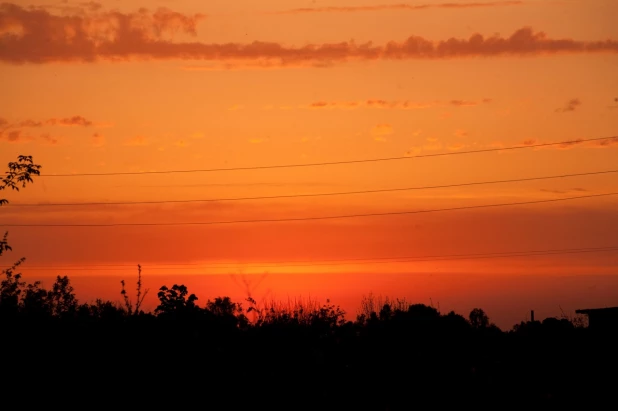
(133, 86)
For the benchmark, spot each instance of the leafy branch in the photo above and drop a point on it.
(20, 172)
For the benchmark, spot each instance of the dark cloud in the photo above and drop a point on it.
(70, 121)
(394, 104)
(37, 36)
(571, 105)
(399, 7)
(13, 132)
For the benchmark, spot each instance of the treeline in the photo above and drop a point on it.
(293, 356)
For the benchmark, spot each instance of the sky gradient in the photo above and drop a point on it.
(136, 86)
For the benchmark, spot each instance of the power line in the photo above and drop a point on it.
(368, 261)
(371, 160)
(315, 194)
(276, 220)
(232, 264)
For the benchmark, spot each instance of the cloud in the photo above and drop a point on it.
(70, 121)
(380, 131)
(608, 142)
(399, 7)
(235, 107)
(461, 133)
(463, 103)
(578, 190)
(137, 141)
(48, 138)
(433, 145)
(13, 136)
(197, 136)
(98, 140)
(14, 132)
(571, 105)
(38, 36)
(393, 105)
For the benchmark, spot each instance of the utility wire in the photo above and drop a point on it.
(342, 193)
(234, 264)
(364, 261)
(371, 160)
(276, 220)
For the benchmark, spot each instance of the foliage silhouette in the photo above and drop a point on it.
(397, 355)
(19, 174)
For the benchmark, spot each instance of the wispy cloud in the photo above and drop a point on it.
(16, 131)
(380, 132)
(393, 104)
(433, 144)
(399, 7)
(38, 36)
(572, 190)
(71, 121)
(49, 139)
(571, 105)
(75, 121)
(608, 142)
(12, 136)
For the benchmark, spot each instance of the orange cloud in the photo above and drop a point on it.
(608, 142)
(409, 7)
(68, 121)
(553, 191)
(395, 105)
(13, 132)
(381, 131)
(433, 144)
(37, 36)
(571, 105)
(48, 138)
(15, 136)
(72, 121)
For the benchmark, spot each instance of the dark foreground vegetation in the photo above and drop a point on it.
(59, 353)
(296, 356)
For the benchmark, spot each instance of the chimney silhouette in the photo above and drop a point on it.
(532, 315)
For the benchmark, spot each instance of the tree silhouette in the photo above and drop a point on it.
(175, 302)
(478, 318)
(62, 297)
(20, 172)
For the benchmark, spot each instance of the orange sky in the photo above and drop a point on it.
(114, 87)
